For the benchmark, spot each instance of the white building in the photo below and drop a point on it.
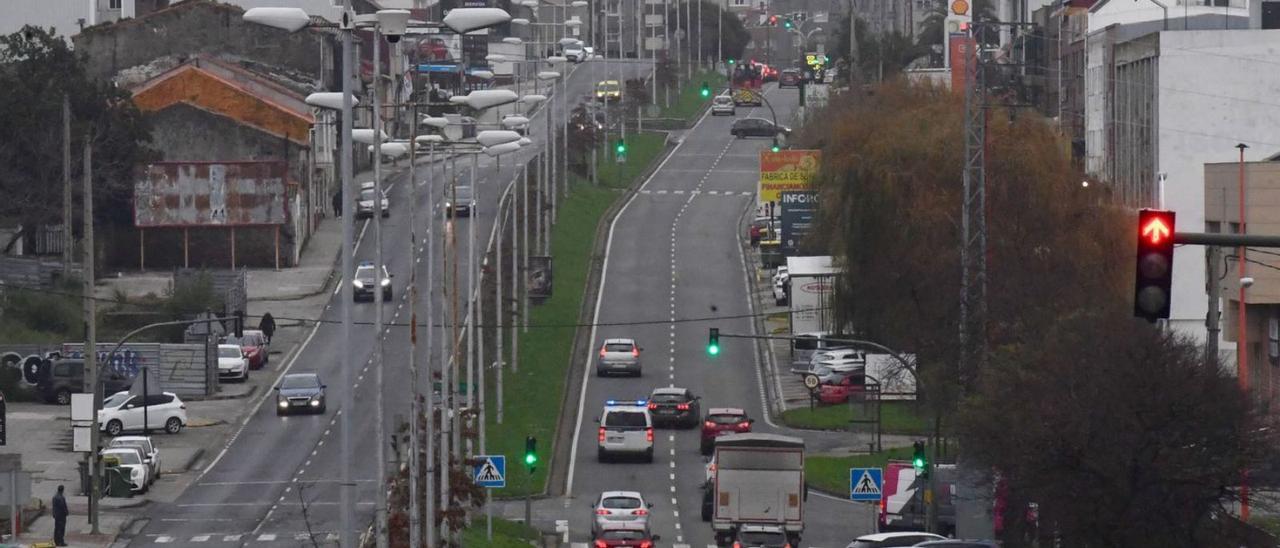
(1161, 104)
(67, 16)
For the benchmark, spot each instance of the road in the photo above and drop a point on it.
(276, 483)
(674, 253)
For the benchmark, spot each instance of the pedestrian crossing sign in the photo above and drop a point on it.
(865, 484)
(491, 471)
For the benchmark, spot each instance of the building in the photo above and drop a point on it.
(68, 17)
(1262, 300)
(1159, 104)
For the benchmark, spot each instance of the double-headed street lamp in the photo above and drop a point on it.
(394, 24)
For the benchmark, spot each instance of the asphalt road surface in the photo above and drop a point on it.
(276, 483)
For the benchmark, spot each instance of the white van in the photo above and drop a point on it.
(804, 345)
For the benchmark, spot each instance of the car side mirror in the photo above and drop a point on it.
(656, 538)
(650, 505)
(276, 388)
(323, 386)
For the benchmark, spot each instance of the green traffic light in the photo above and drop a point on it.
(706, 90)
(774, 148)
(713, 341)
(530, 458)
(731, 61)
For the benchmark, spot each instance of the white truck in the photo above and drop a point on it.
(758, 481)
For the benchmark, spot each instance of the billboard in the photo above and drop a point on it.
(786, 170)
(196, 194)
(798, 212)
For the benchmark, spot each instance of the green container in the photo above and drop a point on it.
(118, 484)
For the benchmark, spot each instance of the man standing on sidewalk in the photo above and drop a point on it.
(60, 513)
(337, 203)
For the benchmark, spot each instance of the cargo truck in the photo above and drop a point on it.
(758, 480)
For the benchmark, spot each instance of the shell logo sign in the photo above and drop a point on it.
(786, 170)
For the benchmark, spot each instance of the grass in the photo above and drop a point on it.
(506, 534)
(895, 418)
(534, 394)
(689, 102)
(831, 474)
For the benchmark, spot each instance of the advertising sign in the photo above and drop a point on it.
(191, 194)
(786, 170)
(798, 212)
(960, 48)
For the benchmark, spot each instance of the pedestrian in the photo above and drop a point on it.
(267, 325)
(337, 203)
(755, 236)
(60, 513)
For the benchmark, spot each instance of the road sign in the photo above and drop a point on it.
(798, 211)
(491, 471)
(865, 484)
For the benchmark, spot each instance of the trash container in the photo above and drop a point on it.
(84, 477)
(468, 127)
(118, 484)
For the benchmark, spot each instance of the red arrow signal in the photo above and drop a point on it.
(1156, 230)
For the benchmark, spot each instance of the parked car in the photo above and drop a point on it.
(790, 78)
(885, 540)
(721, 421)
(124, 412)
(366, 281)
(757, 127)
(61, 378)
(232, 365)
(675, 406)
(150, 454)
(723, 104)
(617, 535)
(619, 356)
(300, 392)
(619, 507)
(462, 201)
(625, 428)
(255, 346)
(131, 459)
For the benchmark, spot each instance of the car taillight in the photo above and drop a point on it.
(601, 544)
(648, 435)
(646, 544)
(640, 512)
(653, 405)
(737, 544)
(683, 407)
(602, 512)
(635, 352)
(601, 436)
(601, 351)
(744, 425)
(709, 424)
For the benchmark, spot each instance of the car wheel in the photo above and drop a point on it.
(114, 428)
(62, 397)
(599, 372)
(648, 455)
(322, 409)
(705, 448)
(601, 456)
(173, 425)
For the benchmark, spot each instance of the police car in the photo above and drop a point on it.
(366, 281)
(626, 428)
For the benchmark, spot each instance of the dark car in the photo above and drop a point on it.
(61, 378)
(366, 280)
(462, 200)
(790, 78)
(301, 392)
(756, 127)
(674, 406)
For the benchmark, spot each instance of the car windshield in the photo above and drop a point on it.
(132, 443)
(622, 534)
(126, 457)
(617, 347)
(764, 538)
(462, 193)
(300, 381)
(726, 419)
(228, 352)
(253, 339)
(608, 86)
(624, 503)
(625, 419)
(115, 400)
(724, 100)
(668, 398)
(364, 273)
(366, 195)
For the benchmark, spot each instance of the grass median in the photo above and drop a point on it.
(831, 473)
(896, 417)
(533, 395)
(506, 534)
(689, 102)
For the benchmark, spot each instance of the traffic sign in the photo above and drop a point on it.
(865, 484)
(491, 471)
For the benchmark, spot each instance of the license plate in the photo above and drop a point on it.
(619, 366)
(614, 439)
(666, 411)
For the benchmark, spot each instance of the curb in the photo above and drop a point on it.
(217, 397)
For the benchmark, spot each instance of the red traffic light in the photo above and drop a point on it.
(773, 20)
(1153, 276)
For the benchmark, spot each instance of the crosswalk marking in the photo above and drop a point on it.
(231, 538)
(200, 538)
(164, 540)
(266, 537)
(648, 192)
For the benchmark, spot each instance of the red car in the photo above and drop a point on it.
(255, 347)
(624, 534)
(721, 421)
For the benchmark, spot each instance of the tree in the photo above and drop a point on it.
(708, 36)
(37, 69)
(881, 55)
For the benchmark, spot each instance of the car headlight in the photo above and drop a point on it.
(359, 284)
(386, 283)
(282, 403)
(448, 204)
(315, 401)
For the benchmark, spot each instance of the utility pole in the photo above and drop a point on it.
(498, 307)
(415, 514)
(379, 427)
(91, 336)
(973, 223)
(524, 254)
(699, 28)
(853, 44)
(68, 237)
(348, 487)
(431, 329)
(1213, 321)
(472, 309)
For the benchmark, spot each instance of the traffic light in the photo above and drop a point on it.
(706, 90)
(775, 146)
(732, 62)
(713, 342)
(773, 20)
(786, 23)
(919, 460)
(531, 453)
(1153, 280)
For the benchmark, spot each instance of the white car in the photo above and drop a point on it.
(150, 453)
(619, 507)
(723, 104)
(232, 363)
(904, 538)
(123, 412)
(625, 428)
(574, 53)
(131, 459)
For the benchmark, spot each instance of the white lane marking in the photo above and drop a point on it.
(164, 540)
(231, 538)
(266, 537)
(200, 538)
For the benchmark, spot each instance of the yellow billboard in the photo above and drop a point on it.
(786, 170)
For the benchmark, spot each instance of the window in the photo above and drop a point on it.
(113, 4)
(1212, 227)
(625, 419)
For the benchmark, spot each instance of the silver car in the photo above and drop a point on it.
(150, 454)
(365, 204)
(625, 428)
(619, 356)
(619, 507)
(723, 104)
